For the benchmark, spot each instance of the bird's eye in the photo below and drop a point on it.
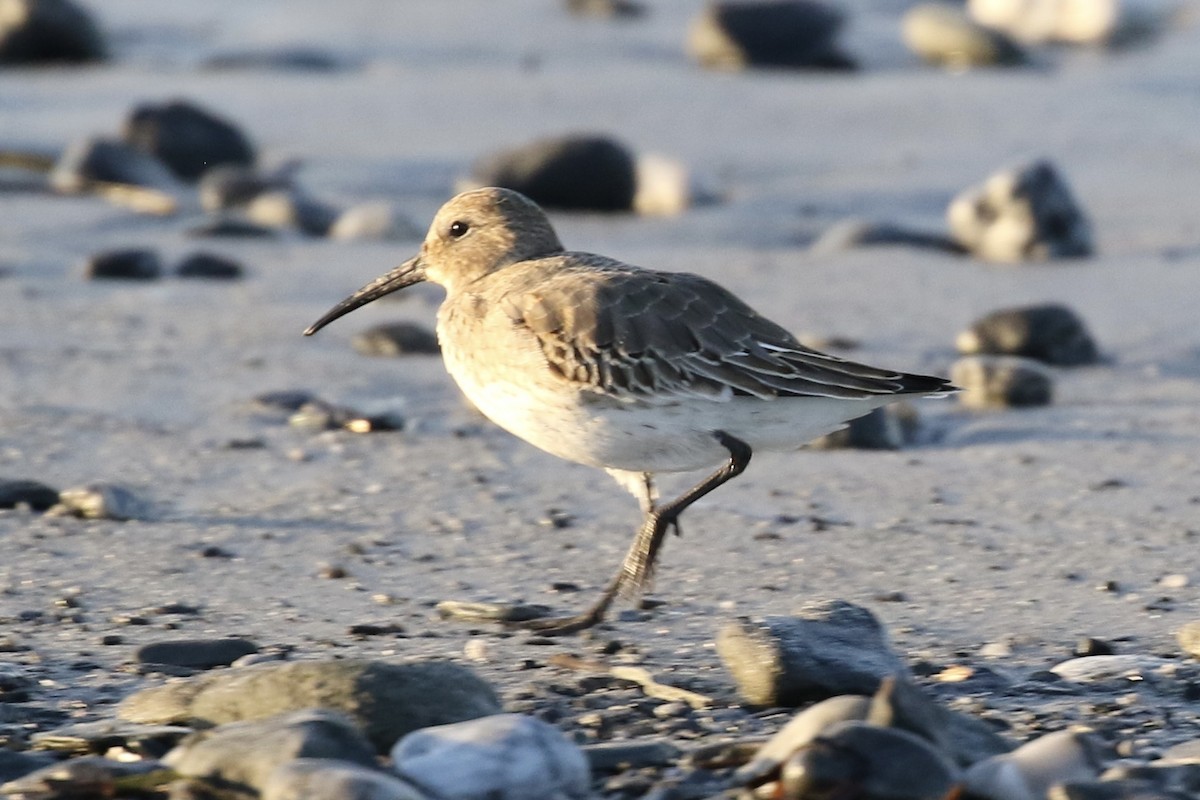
(458, 229)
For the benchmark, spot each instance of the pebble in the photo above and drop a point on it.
(1091, 646)
(229, 227)
(944, 35)
(374, 222)
(501, 757)
(1079, 22)
(396, 338)
(244, 754)
(490, 612)
(317, 415)
(131, 264)
(990, 382)
(285, 59)
(664, 187)
(1188, 637)
(187, 138)
(209, 266)
(828, 648)
(151, 741)
(852, 233)
(863, 760)
(48, 31)
(87, 777)
(767, 33)
(887, 428)
(99, 501)
(285, 401)
(1095, 669)
(579, 173)
(622, 756)
(605, 8)
(1023, 214)
(326, 779)
(1051, 333)
(196, 653)
(289, 208)
(801, 730)
(385, 700)
(20, 492)
(98, 160)
(1028, 772)
(234, 185)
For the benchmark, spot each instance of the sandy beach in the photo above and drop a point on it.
(1019, 529)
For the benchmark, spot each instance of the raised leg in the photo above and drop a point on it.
(637, 570)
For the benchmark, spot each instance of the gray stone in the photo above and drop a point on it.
(385, 700)
(619, 756)
(396, 338)
(97, 160)
(208, 266)
(289, 208)
(501, 757)
(379, 222)
(230, 227)
(767, 33)
(99, 501)
(242, 755)
(101, 735)
(286, 59)
(38, 496)
(196, 653)
(14, 765)
(1050, 332)
(187, 138)
(90, 776)
(900, 703)
(324, 779)
(863, 760)
(47, 31)
(583, 173)
(989, 382)
(234, 185)
(829, 648)
(887, 428)
(800, 731)
(945, 35)
(1095, 669)
(1022, 214)
(1028, 772)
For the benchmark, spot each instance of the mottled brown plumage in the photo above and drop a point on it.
(614, 366)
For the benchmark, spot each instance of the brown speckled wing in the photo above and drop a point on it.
(634, 334)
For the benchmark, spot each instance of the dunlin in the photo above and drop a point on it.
(610, 365)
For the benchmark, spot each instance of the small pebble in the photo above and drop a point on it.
(196, 653)
(396, 338)
(99, 501)
(134, 264)
(208, 266)
(991, 382)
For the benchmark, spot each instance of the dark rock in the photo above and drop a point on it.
(47, 31)
(209, 266)
(1091, 646)
(1001, 382)
(945, 35)
(288, 59)
(188, 139)
(196, 653)
(396, 338)
(888, 428)
(853, 233)
(285, 400)
(14, 765)
(767, 33)
(97, 160)
(829, 648)
(385, 700)
(500, 757)
(230, 227)
(134, 265)
(605, 8)
(325, 779)
(866, 760)
(242, 755)
(233, 185)
(588, 173)
(621, 756)
(1022, 214)
(38, 496)
(1051, 333)
(899, 703)
(800, 732)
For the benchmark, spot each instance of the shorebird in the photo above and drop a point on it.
(634, 371)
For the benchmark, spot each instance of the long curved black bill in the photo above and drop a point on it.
(408, 273)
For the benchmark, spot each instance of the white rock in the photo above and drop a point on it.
(377, 221)
(1075, 21)
(501, 757)
(327, 779)
(664, 187)
(1028, 772)
(1090, 669)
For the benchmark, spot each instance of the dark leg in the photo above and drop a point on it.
(637, 569)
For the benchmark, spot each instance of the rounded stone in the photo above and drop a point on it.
(767, 33)
(196, 653)
(132, 264)
(1050, 332)
(38, 496)
(47, 31)
(581, 173)
(208, 266)
(945, 35)
(98, 160)
(395, 339)
(990, 382)
(187, 138)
